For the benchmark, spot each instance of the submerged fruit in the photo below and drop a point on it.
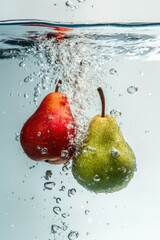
(105, 162)
(48, 135)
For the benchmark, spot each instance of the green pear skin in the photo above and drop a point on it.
(105, 163)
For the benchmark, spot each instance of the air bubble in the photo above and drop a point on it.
(114, 152)
(70, 126)
(64, 154)
(70, 5)
(65, 215)
(17, 137)
(96, 178)
(22, 64)
(28, 79)
(25, 95)
(57, 210)
(65, 168)
(62, 188)
(73, 235)
(55, 228)
(44, 151)
(37, 92)
(58, 200)
(132, 89)
(112, 71)
(87, 212)
(147, 132)
(116, 113)
(48, 174)
(64, 227)
(141, 73)
(71, 192)
(49, 185)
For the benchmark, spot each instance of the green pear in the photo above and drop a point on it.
(105, 163)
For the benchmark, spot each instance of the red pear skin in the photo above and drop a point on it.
(48, 135)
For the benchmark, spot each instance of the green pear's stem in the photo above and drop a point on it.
(102, 97)
(57, 86)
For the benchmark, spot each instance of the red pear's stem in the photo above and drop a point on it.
(101, 94)
(57, 86)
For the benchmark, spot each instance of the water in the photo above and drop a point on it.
(43, 201)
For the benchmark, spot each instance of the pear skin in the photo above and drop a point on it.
(105, 163)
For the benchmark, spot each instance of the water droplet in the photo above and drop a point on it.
(91, 149)
(132, 89)
(84, 152)
(55, 228)
(73, 235)
(70, 126)
(116, 113)
(112, 71)
(12, 225)
(114, 152)
(38, 134)
(64, 153)
(71, 192)
(96, 178)
(44, 151)
(49, 185)
(48, 174)
(57, 210)
(17, 137)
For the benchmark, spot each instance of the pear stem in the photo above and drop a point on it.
(57, 86)
(102, 97)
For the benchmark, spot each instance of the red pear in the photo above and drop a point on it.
(48, 135)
